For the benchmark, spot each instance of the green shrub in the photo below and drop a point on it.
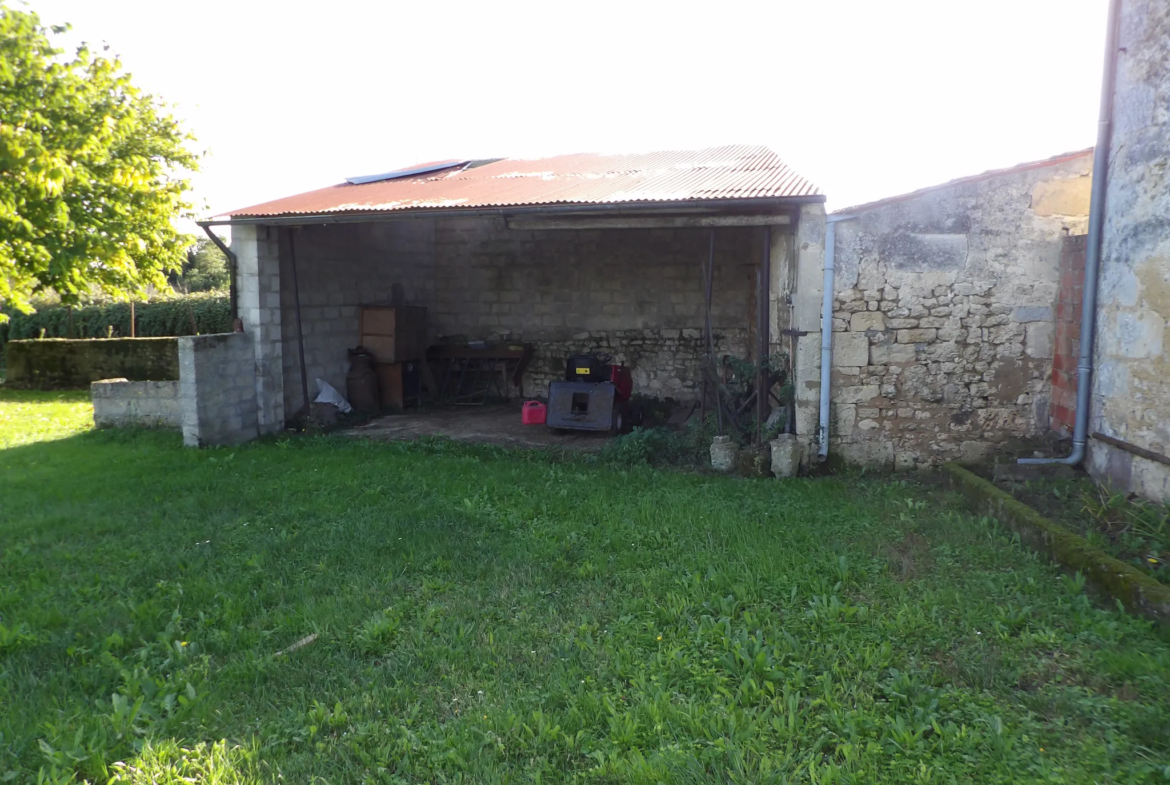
(662, 446)
(203, 313)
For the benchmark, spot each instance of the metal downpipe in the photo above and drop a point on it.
(1093, 250)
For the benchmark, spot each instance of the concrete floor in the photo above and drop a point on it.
(489, 424)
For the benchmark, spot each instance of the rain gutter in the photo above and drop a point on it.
(827, 330)
(1093, 249)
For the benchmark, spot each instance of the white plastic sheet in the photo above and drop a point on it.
(326, 393)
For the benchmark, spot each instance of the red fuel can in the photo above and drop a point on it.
(533, 413)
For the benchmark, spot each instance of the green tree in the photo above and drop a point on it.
(92, 173)
(205, 270)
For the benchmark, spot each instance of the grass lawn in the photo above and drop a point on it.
(490, 616)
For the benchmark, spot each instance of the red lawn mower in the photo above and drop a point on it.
(595, 396)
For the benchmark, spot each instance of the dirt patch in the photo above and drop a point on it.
(490, 424)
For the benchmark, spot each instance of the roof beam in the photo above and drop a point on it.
(649, 222)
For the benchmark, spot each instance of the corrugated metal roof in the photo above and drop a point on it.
(716, 173)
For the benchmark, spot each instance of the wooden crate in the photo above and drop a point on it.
(394, 334)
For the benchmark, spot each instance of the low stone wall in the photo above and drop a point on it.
(664, 363)
(1136, 590)
(118, 403)
(76, 363)
(217, 389)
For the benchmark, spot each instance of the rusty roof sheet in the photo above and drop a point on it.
(715, 173)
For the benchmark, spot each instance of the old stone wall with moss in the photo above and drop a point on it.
(944, 310)
(1131, 389)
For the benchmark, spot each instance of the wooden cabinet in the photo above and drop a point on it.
(399, 383)
(394, 334)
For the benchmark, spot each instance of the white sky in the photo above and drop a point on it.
(867, 98)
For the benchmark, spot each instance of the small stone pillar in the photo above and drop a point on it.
(722, 454)
(785, 455)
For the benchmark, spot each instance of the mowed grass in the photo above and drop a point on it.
(492, 616)
(29, 416)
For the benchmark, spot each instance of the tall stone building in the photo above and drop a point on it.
(1131, 390)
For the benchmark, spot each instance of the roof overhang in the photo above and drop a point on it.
(755, 209)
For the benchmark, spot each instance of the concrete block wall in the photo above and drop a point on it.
(339, 268)
(944, 315)
(218, 389)
(1131, 389)
(118, 403)
(635, 293)
(257, 249)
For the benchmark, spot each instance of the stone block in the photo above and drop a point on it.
(785, 455)
(851, 349)
(886, 354)
(856, 394)
(868, 320)
(921, 335)
(844, 417)
(872, 453)
(1063, 196)
(1032, 313)
(1038, 340)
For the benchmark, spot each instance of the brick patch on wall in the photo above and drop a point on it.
(1062, 411)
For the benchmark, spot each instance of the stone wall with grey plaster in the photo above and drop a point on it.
(1131, 390)
(119, 403)
(943, 315)
(635, 293)
(218, 389)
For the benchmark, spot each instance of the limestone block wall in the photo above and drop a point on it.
(1131, 390)
(118, 403)
(218, 389)
(944, 311)
(635, 293)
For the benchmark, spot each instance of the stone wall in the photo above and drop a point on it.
(118, 403)
(635, 293)
(1131, 390)
(76, 363)
(943, 314)
(218, 389)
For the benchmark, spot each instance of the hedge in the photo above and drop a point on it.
(159, 318)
